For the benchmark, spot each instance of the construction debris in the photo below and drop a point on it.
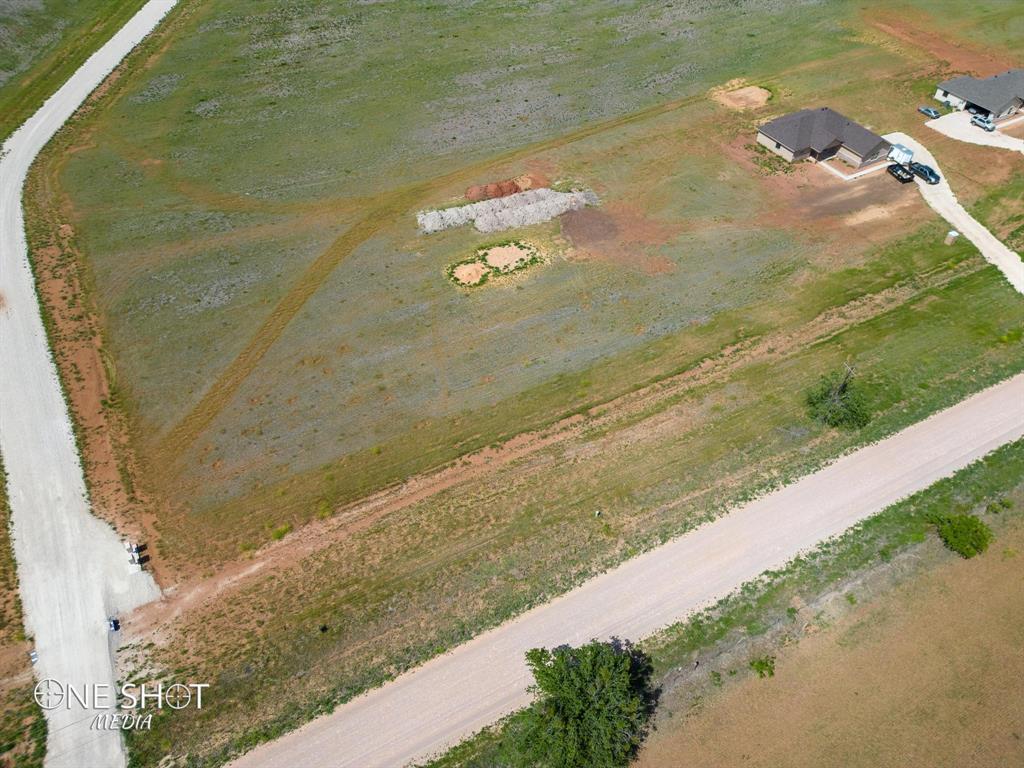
(516, 210)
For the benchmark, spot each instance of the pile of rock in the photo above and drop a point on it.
(517, 210)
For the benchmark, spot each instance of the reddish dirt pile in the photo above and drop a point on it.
(479, 192)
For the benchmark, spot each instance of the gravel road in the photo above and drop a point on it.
(452, 696)
(943, 201)
(957, 125)
(73, 572)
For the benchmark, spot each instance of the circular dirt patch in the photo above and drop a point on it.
(469, 274)
(750, 97)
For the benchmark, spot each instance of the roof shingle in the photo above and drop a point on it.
(991, 93)
(820, 129)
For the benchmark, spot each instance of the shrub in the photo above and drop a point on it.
(964, 534)
(764, 666)
(838, 401)
(592, 708)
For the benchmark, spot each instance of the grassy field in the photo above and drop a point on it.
(42, 43)
(307, 398)
(813, 593)
(22, 726)
(241, 204)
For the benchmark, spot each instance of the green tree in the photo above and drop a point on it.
(838, 400)
(592, 708)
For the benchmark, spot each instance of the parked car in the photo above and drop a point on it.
(984, 122)
(113, 624)
(929, 112)
(33, 656)
(973, 110)
(926, 172)
(900, 173)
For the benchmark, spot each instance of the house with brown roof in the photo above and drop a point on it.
(998, 96)
(820, 134)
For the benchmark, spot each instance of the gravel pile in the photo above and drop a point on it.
(518, 210)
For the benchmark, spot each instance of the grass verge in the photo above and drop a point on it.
(22, 725)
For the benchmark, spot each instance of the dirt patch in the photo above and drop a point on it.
(920, 31)
(470, 274)
(874, 214)
(619, 234)
(494, 261)
(927, 675)
(505, 258)
(746, 97)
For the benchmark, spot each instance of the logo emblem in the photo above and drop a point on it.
(49, 693)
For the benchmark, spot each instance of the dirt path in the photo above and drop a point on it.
(450, 697)
(930, 675)
(921, 33)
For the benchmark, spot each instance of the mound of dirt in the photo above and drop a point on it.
(503, 188)
(750, 97)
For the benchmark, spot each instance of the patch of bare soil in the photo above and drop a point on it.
(918, 30)
(734, 95)
(620, 234)
(930, 674)
(469, 274)
(506, 258)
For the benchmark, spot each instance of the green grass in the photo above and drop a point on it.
(765, 602)
(172, 214)
(45, 45)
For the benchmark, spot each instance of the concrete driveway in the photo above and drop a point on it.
(957, 125)
(452, 696)
(73, 571)
(941, 198)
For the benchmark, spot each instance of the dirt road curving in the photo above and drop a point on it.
(72, 570)
(943, 201)
(447, 699)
